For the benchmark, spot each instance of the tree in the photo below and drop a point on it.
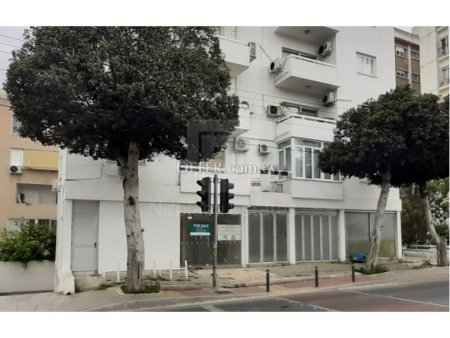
(368, 141)
(426, 157)
(124, 94)
(414, 228)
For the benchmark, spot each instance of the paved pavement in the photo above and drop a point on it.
(233, 283)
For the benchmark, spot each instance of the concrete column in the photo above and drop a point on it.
(244, 236)
(341, 236)
(291, 236)
(398, 236)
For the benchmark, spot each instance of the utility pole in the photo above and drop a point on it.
(216, 181)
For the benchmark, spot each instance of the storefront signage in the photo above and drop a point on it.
(196, 229)
(229, 232)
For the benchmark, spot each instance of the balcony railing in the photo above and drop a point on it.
(308, 118)
(442, 51)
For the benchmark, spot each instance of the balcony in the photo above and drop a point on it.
(237, 55)
(307, 75)
(442, 51)
(244, 121)
(315, 34)
(313, 189)
(314, 128)
(40, 160)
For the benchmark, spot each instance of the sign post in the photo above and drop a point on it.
(216, 180)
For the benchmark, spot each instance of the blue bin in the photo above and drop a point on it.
(359, 257)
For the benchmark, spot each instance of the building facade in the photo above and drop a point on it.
(434, 59)
(292, 82)
(28, 171)
(407, 59)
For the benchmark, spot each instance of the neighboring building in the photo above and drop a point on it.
(297, 214)
(407, 59)
(433, 59)
(27, 172)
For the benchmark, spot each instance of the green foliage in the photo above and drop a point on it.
(104, 286)
(148, 288)
(414, 227)
(94, 90)
(31, 243)
(376, 269)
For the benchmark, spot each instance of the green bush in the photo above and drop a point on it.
(31, 243)
(376, 269)
(148, 288)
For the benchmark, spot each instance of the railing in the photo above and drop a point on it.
(308, 118)
(442, 51)
(302, 58)
(444, 82)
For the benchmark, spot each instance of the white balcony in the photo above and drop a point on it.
(314, 34)
(313, 189)
(314, 128)
(237, 55)
(244, 121)
(307, 75)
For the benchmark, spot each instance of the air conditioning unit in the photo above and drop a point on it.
(252, 46)
(240, 144)
(15, 169)
(329, 99)
(325, 49)
(264, 149)
(274, 111)
(276, 65)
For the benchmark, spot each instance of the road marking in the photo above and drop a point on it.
(212, 308)
(307, 304)
(395, 298)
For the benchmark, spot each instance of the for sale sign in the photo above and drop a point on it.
(196, 229)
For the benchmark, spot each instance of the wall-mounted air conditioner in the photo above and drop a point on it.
(329, 99)
(276, 65)
(263, 149)
(325, 49)
(240, 144)
(15, 169)
(274, 111)
(252, 46)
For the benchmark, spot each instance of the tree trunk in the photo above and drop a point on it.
(135, 242)
(375, 236)
(441, 242)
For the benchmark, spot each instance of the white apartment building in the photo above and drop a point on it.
(433, 59)
(292, 82)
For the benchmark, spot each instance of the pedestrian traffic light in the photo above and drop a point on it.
(205, 193)
(226, 196)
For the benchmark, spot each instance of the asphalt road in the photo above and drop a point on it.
(429, 296)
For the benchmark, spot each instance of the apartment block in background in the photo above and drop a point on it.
(27, 171)
(433, 43)
(407, 59)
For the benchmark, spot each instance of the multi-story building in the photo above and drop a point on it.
(27, 172)
(407, 59)
(433, 59)
(292, 82)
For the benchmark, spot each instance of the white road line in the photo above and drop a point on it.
(308, 304)
(396, 298)
(212, 308)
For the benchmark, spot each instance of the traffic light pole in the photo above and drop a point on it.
(216, 181)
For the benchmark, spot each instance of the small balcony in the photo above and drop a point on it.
(308, 127)
(307, 75)
(309, 34)
(244, 121)
(442, 51)
(298, 188)
(237, 55)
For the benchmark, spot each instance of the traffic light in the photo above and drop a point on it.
(205, 193)
(226, 196)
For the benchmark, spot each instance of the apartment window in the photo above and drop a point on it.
(14, 223)
(415, 77)
(366, 64)
(285, 52)
(16, 157)
(292, 108)
(302, 159)
(415, 54)
(444, 76)
(401, 73)
(32, 194)
(15, 125)
(400, 51)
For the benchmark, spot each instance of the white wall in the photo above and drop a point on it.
(37, 276)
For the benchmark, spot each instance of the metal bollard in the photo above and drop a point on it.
(353, 273)
(316, 274)
(267, 281)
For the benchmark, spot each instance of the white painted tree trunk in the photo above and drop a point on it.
(375, 236)
(441, 242)
(135, 242)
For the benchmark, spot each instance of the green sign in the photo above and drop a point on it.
(196, 229)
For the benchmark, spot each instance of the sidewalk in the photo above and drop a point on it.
(232, 283)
